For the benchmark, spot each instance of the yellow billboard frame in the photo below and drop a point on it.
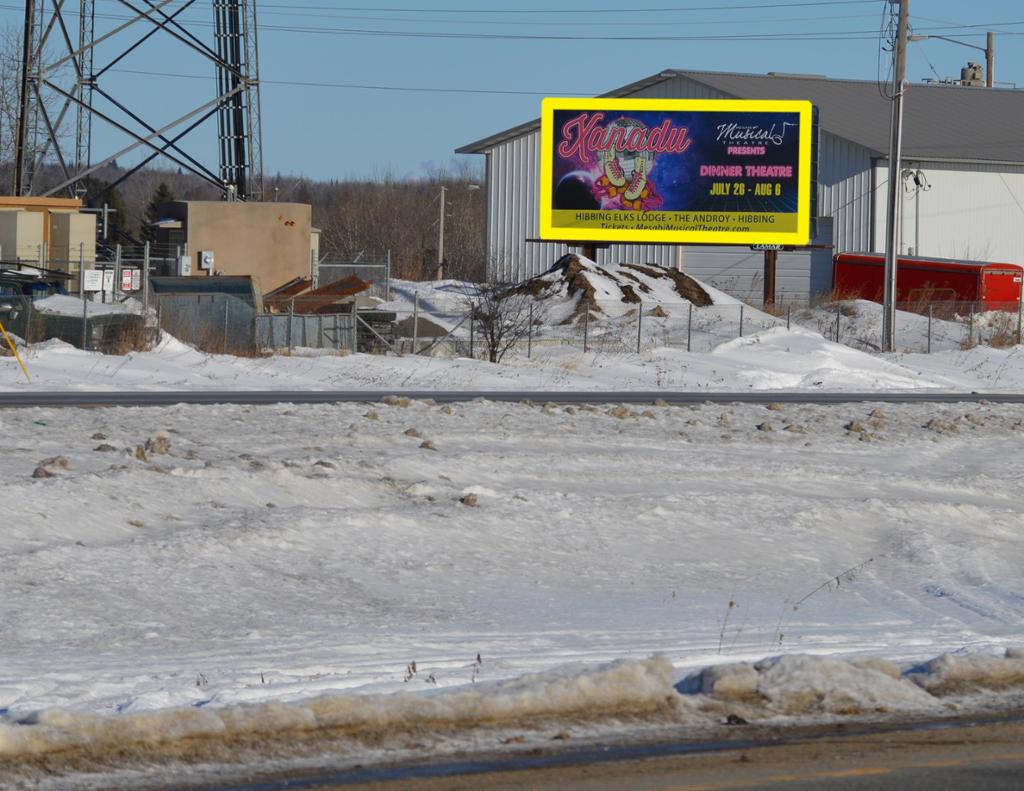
(800, 236)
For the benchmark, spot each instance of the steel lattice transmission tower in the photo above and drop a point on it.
(64, 93)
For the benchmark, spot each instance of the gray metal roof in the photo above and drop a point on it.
(941, 122)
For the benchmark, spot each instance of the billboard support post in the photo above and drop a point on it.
(770, 259)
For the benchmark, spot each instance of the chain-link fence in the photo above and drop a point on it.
(920, 328)
(607, 327)
(225, 324)
(526, 327)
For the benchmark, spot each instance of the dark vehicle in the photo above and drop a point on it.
(19, 291)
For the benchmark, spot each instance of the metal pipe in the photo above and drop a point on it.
(81, 291)
(145, 279)
(415, 320)
(639, 324)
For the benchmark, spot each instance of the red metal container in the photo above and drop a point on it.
(919, 280)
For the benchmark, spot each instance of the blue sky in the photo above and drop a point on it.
(339, 132)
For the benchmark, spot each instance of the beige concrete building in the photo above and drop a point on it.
(271, 242)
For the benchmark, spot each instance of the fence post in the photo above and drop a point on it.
(472, 324)
(81, 292)
(689, 326)
(320, 330)
(116, 285)
(415, 320)
(639, 324)
(387, 279)
(839, 313)
(145, 280)
(1020, 314)
(741, 319)
(291, 315)
(970, 327)
(529, 335)
(930, 328)
(586, 327)
(224, 346)
(789, 315)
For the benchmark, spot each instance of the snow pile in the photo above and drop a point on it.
(575, 285)
(800, 359)
(64, 305)
(625, 688)
(952, 674)
(801, 685)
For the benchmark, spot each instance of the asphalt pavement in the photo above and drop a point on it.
(947, 756)
(109, 398)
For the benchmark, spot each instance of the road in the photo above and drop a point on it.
(987, 756)
(55, 398)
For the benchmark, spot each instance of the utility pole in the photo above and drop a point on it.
(990, 59)
(893, 201)
(440, 240)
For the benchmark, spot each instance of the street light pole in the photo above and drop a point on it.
(439, 275)
(989, 49)
(892, 214)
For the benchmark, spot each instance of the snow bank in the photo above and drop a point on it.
(625, 687)
(955, 674)
(800, 685)
(801, 359)
(792, 687)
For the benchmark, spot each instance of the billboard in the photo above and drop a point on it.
(683, 171)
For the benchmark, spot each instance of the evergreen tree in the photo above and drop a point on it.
(161, 195)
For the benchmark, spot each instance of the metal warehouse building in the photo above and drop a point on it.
(964, 143)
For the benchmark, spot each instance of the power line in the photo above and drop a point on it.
(819, 35)
(617, 10)
(367, 87)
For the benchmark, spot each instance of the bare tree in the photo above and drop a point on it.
(502, 317)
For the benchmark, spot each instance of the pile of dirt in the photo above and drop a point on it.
(589, 285)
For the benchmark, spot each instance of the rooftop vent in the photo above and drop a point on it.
(789, 76)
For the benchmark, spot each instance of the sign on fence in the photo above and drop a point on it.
(93, 280)
(677, 170)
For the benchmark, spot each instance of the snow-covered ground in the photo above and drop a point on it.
(797, 359)
(186, 571)
(768, 355)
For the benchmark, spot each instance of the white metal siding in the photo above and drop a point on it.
(972, 211)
